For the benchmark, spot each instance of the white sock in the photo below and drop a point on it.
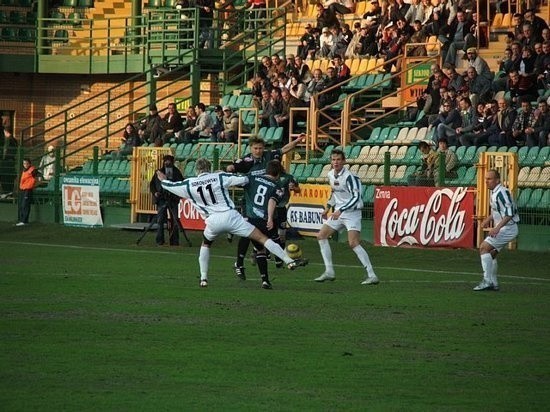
(487, 265)
(204, 258)
(364, 258)
(278, 251)
(494, 274)
(326, 253)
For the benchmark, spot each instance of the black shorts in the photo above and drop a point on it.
(261, 225)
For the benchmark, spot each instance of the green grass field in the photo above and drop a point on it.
(91, 321)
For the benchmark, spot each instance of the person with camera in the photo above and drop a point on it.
(166, 201)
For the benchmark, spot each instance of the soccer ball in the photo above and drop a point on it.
(294, 251)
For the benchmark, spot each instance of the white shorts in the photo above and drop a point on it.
(350, 219)
(503, 237)
(227, 222)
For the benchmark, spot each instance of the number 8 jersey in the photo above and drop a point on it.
(209, 192)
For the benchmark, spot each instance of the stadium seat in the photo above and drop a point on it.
(315, 173)
(363, 154)
(325, 157)
(523, 197)
(532, 155)
(523, 175)
(543, 157)
(368, 194)
(533, 177)
(522, 155)
(544, 177)
(371, 172)
(412, 157)
(401, 136)
(535, 199)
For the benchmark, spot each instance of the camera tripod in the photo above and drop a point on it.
(168, 206)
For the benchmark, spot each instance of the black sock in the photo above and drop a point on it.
(261, 261)
(241, 250)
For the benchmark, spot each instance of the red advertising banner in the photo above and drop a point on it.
(424, 216)
(189, 216)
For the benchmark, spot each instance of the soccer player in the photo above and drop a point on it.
(255, 163)
(209, 193)
(347, 203)
(504, 216)
(262, 193)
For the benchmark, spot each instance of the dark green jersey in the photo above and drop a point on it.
(257, 193)
(284, 181)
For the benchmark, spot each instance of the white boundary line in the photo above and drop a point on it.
(194, 254)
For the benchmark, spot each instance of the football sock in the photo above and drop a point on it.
(277, 251)
(487, 265)
(242, 248)
(281, 243)
(204, 257)
(326, 253)
(261, 261)
(364, 258)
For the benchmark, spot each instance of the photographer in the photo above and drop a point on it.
(166, 201)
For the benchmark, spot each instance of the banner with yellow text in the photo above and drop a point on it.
(81, 201)
(305, 209)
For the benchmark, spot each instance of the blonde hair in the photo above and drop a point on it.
(203, 166)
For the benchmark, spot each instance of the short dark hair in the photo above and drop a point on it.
(443, 140)
(201, 106)
(338, 152)
(168, 157)
(256, 140)
(274, 168)
(423, 144)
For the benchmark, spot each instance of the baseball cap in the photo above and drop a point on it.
(226, 108)
(471, 50)
(218, 108)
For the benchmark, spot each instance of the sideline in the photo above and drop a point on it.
(194, 254)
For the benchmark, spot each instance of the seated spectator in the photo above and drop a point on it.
(203, 127)
(152, 125)
(218, 125)
(172, 123)
(468, 121)
(417, 37)
(331, 91)
(505, 119)
(303, 72)
(297, 88)
(130, 139)
(266, 107)
(230, 131)
(523, 129)
(448, 116)
(190, 118)
(478, 86)
(316, 85)
(520, 87)
(290, 68)
(308, 44)
(339, 43)
(477, 62)
(326, 41)
(366, 43)
(47, 164)
(342, 70)
(451, 161)
(424, 177)
(456, 81)
(486, 126)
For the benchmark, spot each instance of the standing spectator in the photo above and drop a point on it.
(503, 214)
(29, 178)
(340, 6)
(230, 131)
(347, 203)
(325, 18)
(7, 164)
(523, 129)
(258, 14)
(166, 202)
(267, 109)
(219, 212)
(173, 123)
(47, 164)
(206, 18)
(542, 126)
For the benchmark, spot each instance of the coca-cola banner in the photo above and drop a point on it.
(424, 216)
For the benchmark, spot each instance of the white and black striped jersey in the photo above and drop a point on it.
(346, 190)
(209, 192)
(503, 204)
